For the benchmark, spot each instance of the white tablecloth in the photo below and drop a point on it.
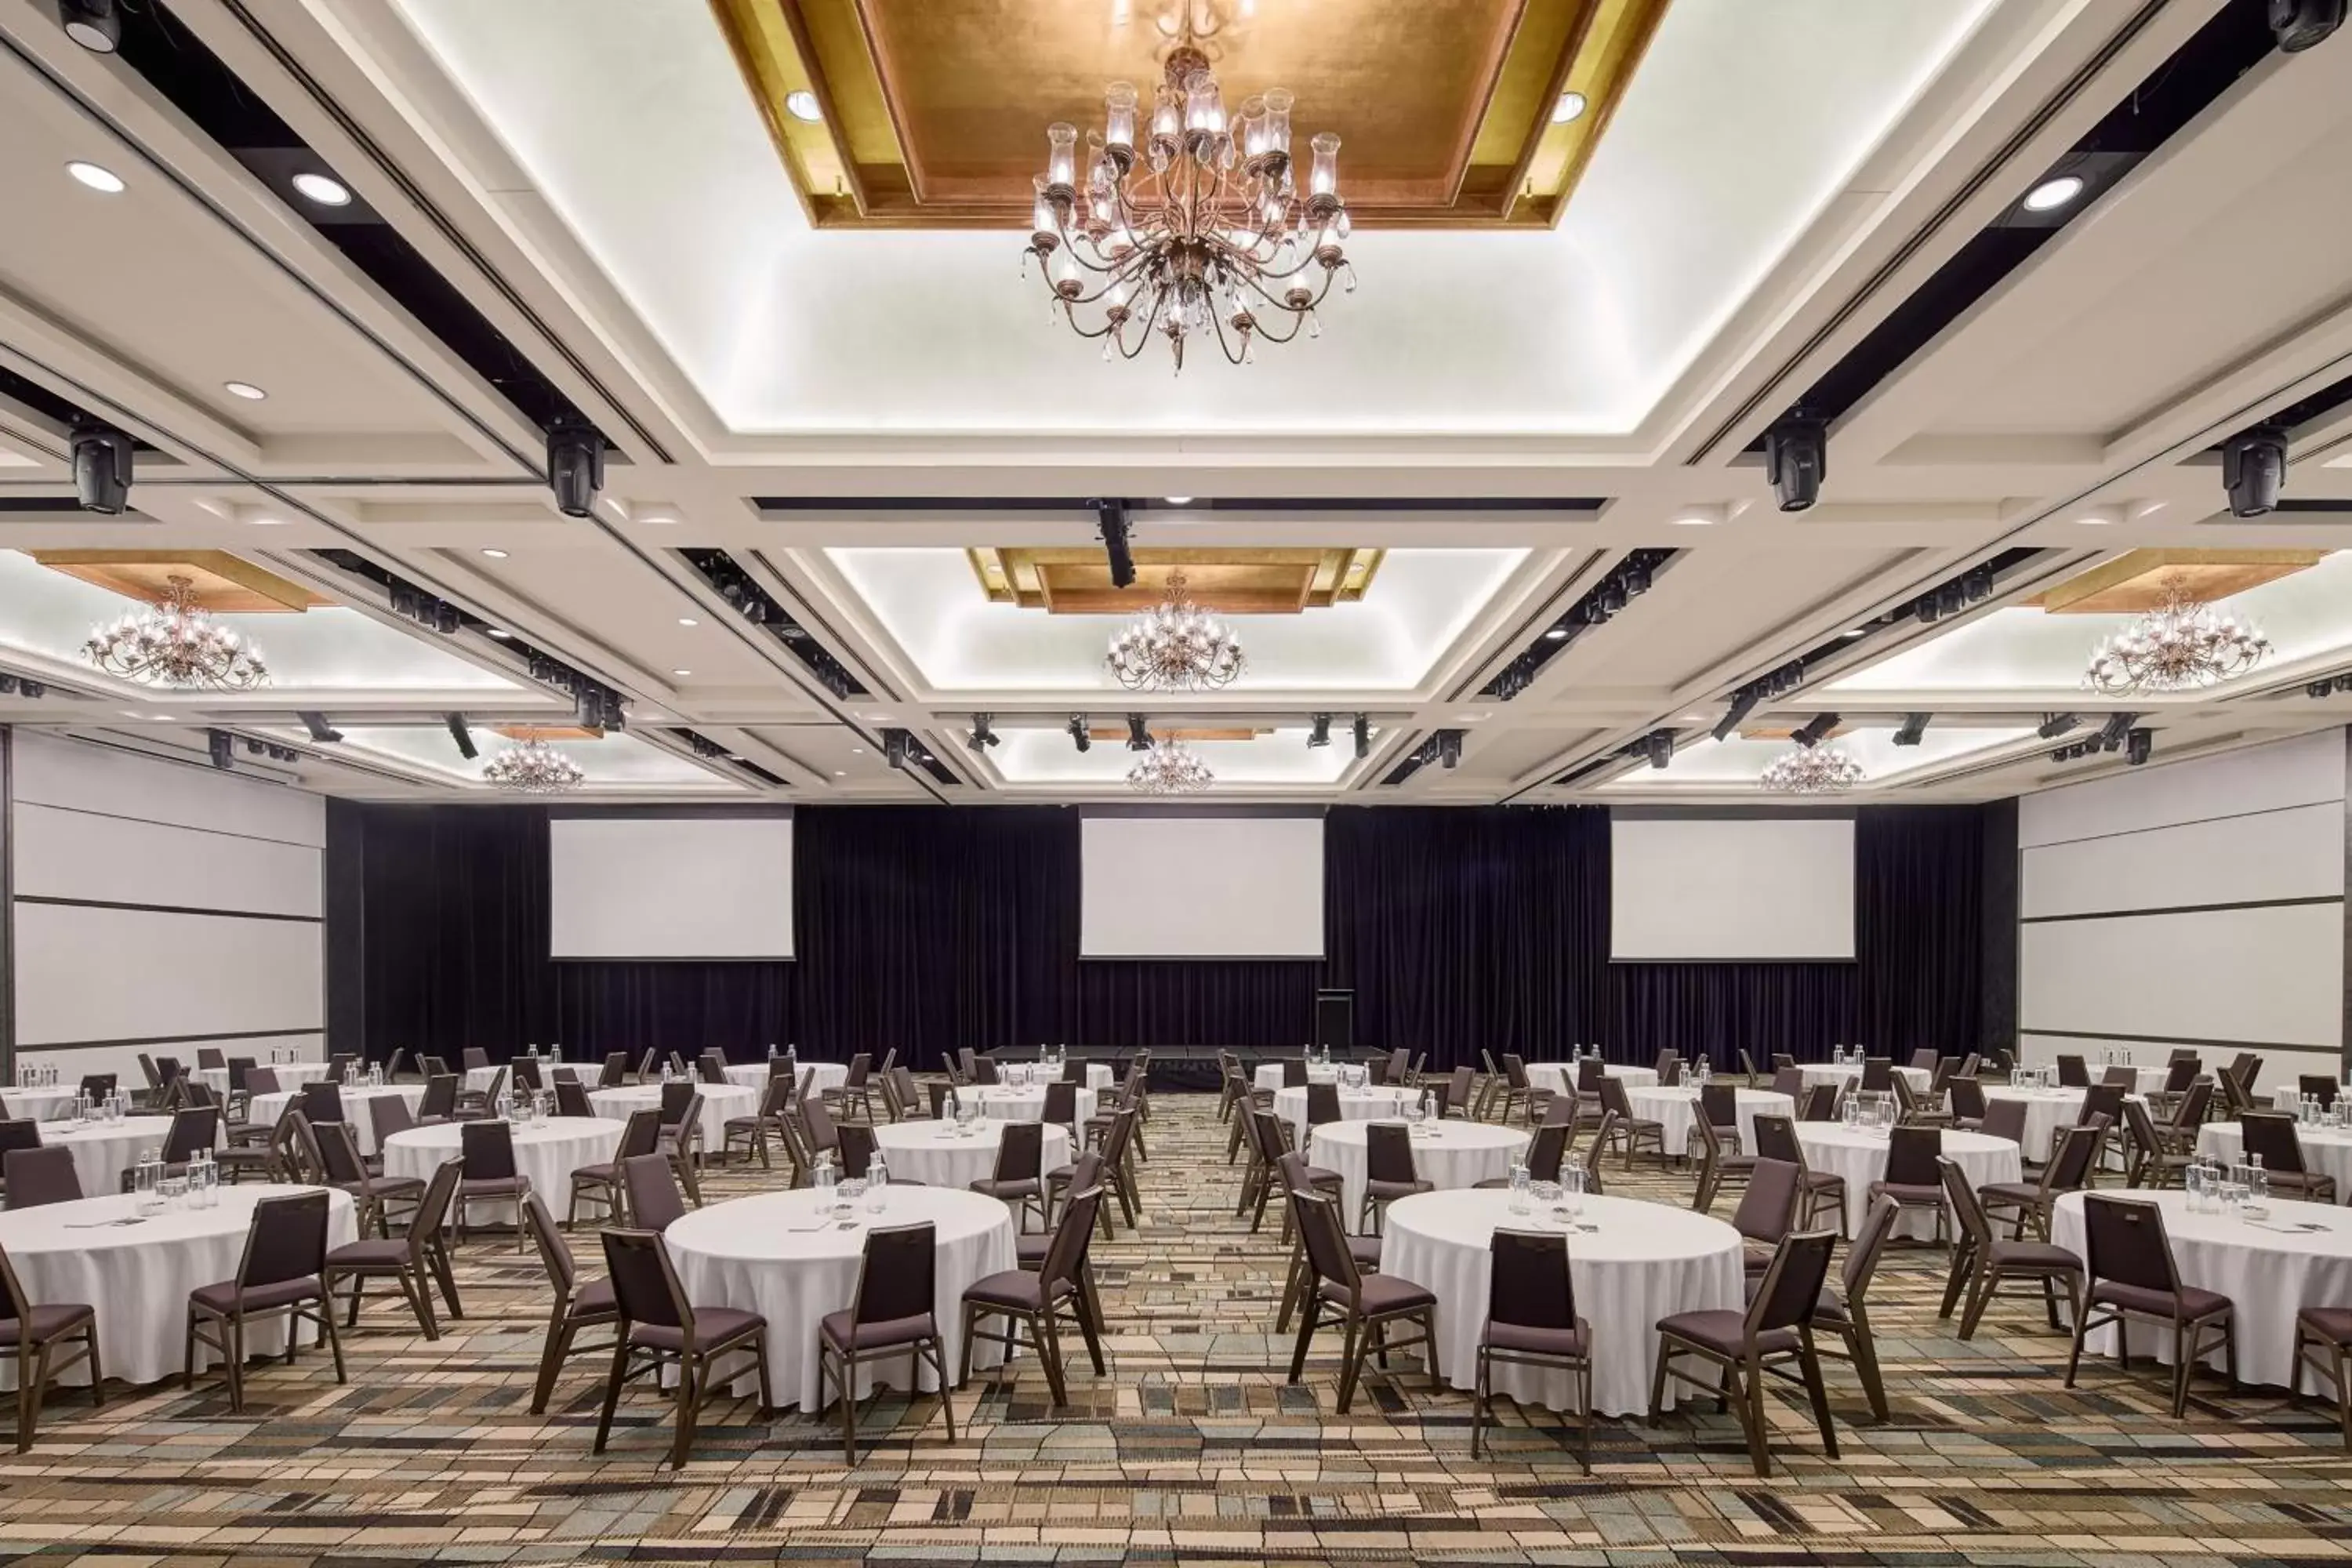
(1269, 1075)
(1859, 1156)
(2145, 1080)
(2326, 1150)
(1361, 1105)
(753, 1076)
(290, 1075)
(40, 1104)
(1676, 1109)
(2270, 1275)
(721, 1103)
(1646, 1261)
(2047, 1110)
(746, 1254)
(1449, 1155)
(933, 1153)
(102, 1151)
(547, 1151)
(1006, 1104)
(1836, 1072)
(2287, 1096)
(138, 1276)
(1560, 1077)
(267, 1108)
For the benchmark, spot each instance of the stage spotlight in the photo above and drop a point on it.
(2139, 746)
(2055, 724)
(96, 26)
(1636, 577)
(1659, 746)
(1797, 460)
(1925, 611)
(1080, 736)
(1950, 600)
(31, 688)
(1976, 586)
(1364, 729)
(575, 468)
(463, 736)
(1112, 519)
(1914, 726)
(2299, 23)
(2112, 733)
(2253, 471)
(101, 467)
(1743, 702)
(320, 731)
(1319, 732)
(981, 736)
(1449, 748)
(893, 748)
(1138, 733)
(221, 746)
(1816, 730)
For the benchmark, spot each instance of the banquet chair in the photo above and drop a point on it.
(1531, 1320)
(1273, 1134)
(473, 1057)
(2323, 1341)
(17, 1135)
(2181, 1076)
(2004, 1119)
(1376, 1070)
(984, 1073)
(394, 1063)
(817, 1129)
(1035, 1299)
(1062, 1110)
(2069, 1170)
(1519, 1091)
(601, 1183)
(1631, 1131)
(1455, 1099)
(2235, 1100)
(475, 1104)
(339, 1156)
(1844, 1309)
(29, 1333)
(855, 1148)
(2245, 1068)
(1293, 1073)
(616, 1071)
(1911, 1179)
(1965, 1098)
(646, 1064)
(889, 1316)
(676, 1065)
(1601, 1134)
(1389, 1172)
(853, 1099)
(944, 1103)
(1982, 1262)
(1790, 1082)
(487, 1149)
(2130, 1265)
(1545, 1156)
(97, 1086)
(963, 1065)
(751, 1132)
(321, 1101)
(414, 1260)
(2270, 1136)
(1590, 1073)
(1669, 1069)
(901, 1078)
(2158, 1153)
(2124, 1078)
(35, 1176)
(389, 1114)
(2319, 1086)
(524, 1070)
(1483, 1085)
(658, 1328)
(898, 1107)
(1018, 1178)
(1249, 1098)
(1717, 1163)
(280, 1272)
(1782, 1060)
(1119, 1172)
(652, 1193)
(1294, 1176)
(1820, 1102)
(572, 1097)
(1913, 1110)
(1878, 1075)
(710, 1067)
(575, 1306)
(440, 1101)
(431, 1066)
(681, 1138)
(2073, 1072)
(211, 1058)
(1767, 1213)
(1742, 1349)
(1232, 1088)
(239, 1068)
(1748, 1066)
(1719, 1105)
(279, 1159)
(1366, 1307)
(1924, 1059)
(1323, 1105)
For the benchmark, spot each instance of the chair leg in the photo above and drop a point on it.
(691, 1370)
(939, 1351)
(334, 1340)
(1090, 1311)
(613, 1392)
(1307, 1316)
(1481, 1407)
(1050, 1340)
(550, 1363)
(1864, 1346)
(1354, 1347)
(1751, 1400)
(1809, 1361)
(29, 1389)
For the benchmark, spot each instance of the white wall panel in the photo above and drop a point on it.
(2301, 771)
(88, 973)
(2252, 975)
(64, 854)
(114, 783)
(2296, 852)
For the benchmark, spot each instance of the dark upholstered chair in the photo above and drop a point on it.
(1767, 1211)
(576, 1306)
(414, 1260)
(1911, 1179)
(1018, 1177)
(600, 1183)
(1741, 1349)
(1366, 1307)
(1531, 1320)
(2132, 1275)
(33, 1335)
(1982, 1262)
(1389, 1172)
(37, 1177)
(489, 1176)
(1036, 1299)
(285, 1257)
(659, 1329)
(889, 1316)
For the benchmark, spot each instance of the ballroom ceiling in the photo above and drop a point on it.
(855, 418)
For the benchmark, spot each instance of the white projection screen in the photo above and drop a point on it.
(1687, 889)
(1200, 887)
(670, 887)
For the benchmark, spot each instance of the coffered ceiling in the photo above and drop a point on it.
(844, 407)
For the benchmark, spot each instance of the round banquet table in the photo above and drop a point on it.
(753, 1076)
(1357, 1105)
(41, 1104)
(290, 1075)
(2271, 1275)
(1560, 1077)
(2046, 1112)
(2326, 1150)
(1676, 1109)
(1642, 1262)
(1448, 1155)
(721, 1103)
(936, 1154)
(766, 1254)
(2287, 1096)
(139, 1276)
(1269, 1075)
(2145, 1080)
(1097, 1077)
(267, 1108)
(1002, 1104)
(1847, 1072)
(102, 1151)
(547, 1151)
(1859, 1154)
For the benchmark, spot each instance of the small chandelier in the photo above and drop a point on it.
(1177, 648)
(177, 643)
(533, 767)
(1170, 768)
(1811, 770)
(1212, 239)
(2182, 644)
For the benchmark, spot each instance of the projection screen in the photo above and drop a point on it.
(1200, 887)
(670, 887)
(1710, 889)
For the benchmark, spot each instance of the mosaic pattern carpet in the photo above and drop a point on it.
(1194, 1449)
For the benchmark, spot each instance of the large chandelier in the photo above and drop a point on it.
(1178, 647)
(1811, 770)
(2182, 644)
(1209, 237)
(1170, 768)
(177, 643)
(533, 767)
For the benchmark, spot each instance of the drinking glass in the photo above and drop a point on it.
(847, 1195)
(172, 1192)
(1519, 1184)
(878, 1186)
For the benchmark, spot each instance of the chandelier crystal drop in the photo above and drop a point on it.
(533, 767)
(1811, 770)
(1178, 647)
(2182, 644)
(1205, 230)
(1170, 768)
(177, 643)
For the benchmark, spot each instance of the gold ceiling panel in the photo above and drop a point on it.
(2135, 581)
(1236, 582)
(934, 111)
(220, 582)
(1188, 734)
(549, 732)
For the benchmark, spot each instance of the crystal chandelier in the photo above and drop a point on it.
(1209, 237)
(533, 767)
(2181, 645)
(1178, 647)
(1811, 770)
(177, 643)
(1170, 768)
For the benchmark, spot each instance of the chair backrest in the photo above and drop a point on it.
(1544, 1155)
(2102, 1099)
(2182, 1071)
(1515, 1070)
(2191, 1112)
(1968, 1209)
(19, 1132)
(296, 1143)
(1322, 1104)
(474, 1057)
(1789, 1080)
(488, 1150)
(1820, 1103)
(943, 1096)
(1721, 1101)
(239, 1069)
(2320, 1086)
(430, 1065)
(710, 1067)
(571, 1098)
(433, 1207)
(2004, 1119)
(2125, 1242)
(1768, 1207)
(1861, 1256)
(554, 1256)
(856, 1144)
(968, 1059)
(984, 1070)
(194, 1129)
(195, 1091)
(652, 1188)
(2073, 1073)
(1776, 1138)
(1670, 1069)
(1747, 1065)
(339, 1151)
(1062, 1103)
(440, 1096)
(1019, 1152)
(211, 1058)
(616, 1071)
(1458, 1090)
(323, 1102)
(1791, 1287)
(286, 1240)
(2125, 1078)
(1316, 1215)
(894, 1277)
(645, 1286)
(1529, 1283)
(97, 1085)
(37, 1177)
(2270, 1134)
(2071, 1167)
(675, 1098)
(1911, 1155)
(1293, 1073)
(1600, 1135)
(2245, 1070)
(261, 1080)
(910, 1095)
(1399, 1064)
(1376, 1070)
(2142, 1125)
(526, 1073)
(1589, 1075)
(1066, 1255)
(1968, 1098)
(817, 1121)
(388, 1114)
(861, 1067)
(1924, 1059)
(640, 1134)
(1388, 1152)
(1877, 1074)
(1121, 1133)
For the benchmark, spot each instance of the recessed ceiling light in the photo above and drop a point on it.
(1854, 631)
(244, 389)
(1694, 718)
(1570, 106)
(1178, 500)
(1470, 718)
(1695, 520)
(323, 189)
(499, 634)
(2052, 195)
(687, 621)
(96, 178)
(128, 713)
(1555, 634)
(856, 750)
(265, 520)
(802, 105)
(840, 773)
(681, 672)
(495, 555)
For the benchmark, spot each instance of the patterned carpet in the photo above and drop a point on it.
(1192, 1450)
